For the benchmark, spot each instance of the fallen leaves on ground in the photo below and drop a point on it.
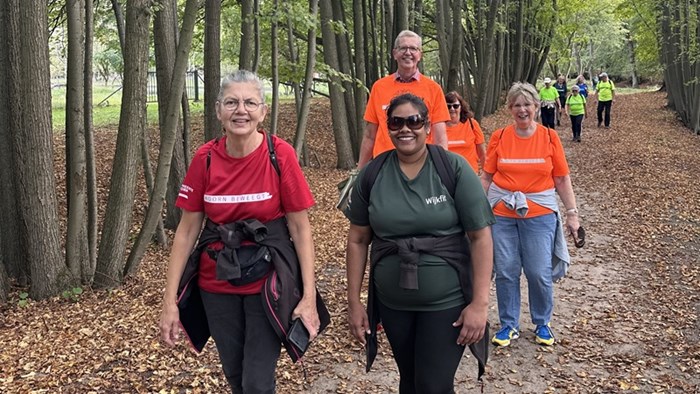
(626, 317)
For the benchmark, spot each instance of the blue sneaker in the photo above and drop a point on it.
(504, 336)
(544, 335)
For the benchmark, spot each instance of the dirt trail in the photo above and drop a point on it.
(626, 317)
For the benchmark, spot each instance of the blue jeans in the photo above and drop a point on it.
(524, 245)
(248, 345)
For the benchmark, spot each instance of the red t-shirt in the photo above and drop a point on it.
(526, 164)
(241, 188)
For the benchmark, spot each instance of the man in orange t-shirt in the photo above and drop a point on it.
(407, 79)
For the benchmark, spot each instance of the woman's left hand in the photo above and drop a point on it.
(473, 322)
(306, 311)
(572, 223)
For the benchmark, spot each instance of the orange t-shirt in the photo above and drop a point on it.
(389, 87)
(463, 139)
(527, 165)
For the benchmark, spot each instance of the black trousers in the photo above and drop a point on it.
(247, 344)
(604, 106)
(576, 121)
(425, 348)
(548, 117)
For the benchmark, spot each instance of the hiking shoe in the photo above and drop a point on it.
(599, 123)
(504, 336)
(544, 335)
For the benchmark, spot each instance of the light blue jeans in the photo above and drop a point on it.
(524, 245)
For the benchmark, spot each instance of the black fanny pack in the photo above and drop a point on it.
(243, 265)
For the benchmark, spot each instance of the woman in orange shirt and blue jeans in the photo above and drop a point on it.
(525, 168)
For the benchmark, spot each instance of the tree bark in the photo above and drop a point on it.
(121, 23)
(132, 121)
(303, 113)
(90, 172)
(77, 255)
(360, 86)
(212, 67)
(12, 236)
(34, 148)
(343, 144)
(168, 138)
(245, 60)
(165, 43)
(274, 67)
(344, 61)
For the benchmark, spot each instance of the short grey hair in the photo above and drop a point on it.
(525, 90)
(408, 33)
(241, 76)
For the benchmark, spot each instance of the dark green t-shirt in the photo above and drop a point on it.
(399, 208)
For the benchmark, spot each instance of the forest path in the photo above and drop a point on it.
(626, 316)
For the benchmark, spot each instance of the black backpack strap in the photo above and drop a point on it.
(273, 155)
(444, 169)
(216, 141)
(371, 172)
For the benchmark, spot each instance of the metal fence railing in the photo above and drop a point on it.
(194, 83)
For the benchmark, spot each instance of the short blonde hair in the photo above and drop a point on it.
(525, 90)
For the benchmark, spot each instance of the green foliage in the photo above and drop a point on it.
(73, 294)
(23, 299)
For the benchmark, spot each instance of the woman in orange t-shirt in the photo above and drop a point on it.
(464, 135)
(524, 170)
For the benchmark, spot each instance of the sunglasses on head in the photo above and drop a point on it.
(414, 122)
(454, 106)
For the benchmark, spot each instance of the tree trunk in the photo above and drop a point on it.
(360, 87)
(167, 139)
(121, 23)
(343, 144)
(165, 43)
(132, 121)
(34, 148)
(12, 237)
(90, 172)
(274, 67)
(77, 255)
(144, 144)
(212, 67)
(485, 77)
(245, 60)
(303, 113)
(293, 53)
(256, 35)
(345, 61)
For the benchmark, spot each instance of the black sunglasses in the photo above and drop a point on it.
(414, 122)
(453, 106)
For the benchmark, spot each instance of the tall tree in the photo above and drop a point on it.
(274, 67)
(360, 85)
(343, 144)
(245, 60)
(212, 67)
(132, 121)
(167, 139)
(33, 144)
(165, 44)
(90, 171)
(77, 255)
(12, 237)
(303, 112)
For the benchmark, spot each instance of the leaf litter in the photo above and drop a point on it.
(625, 318)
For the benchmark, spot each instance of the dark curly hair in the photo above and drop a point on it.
(408, 98)
(464, 110)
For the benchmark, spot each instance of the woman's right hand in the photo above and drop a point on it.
(358, 322)
(169, 323)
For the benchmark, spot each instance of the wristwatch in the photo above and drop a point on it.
(572, 210)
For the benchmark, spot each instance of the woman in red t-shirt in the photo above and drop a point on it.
(524, 171)
(464, 135)
(232, 179)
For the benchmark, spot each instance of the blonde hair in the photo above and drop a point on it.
(525, 90)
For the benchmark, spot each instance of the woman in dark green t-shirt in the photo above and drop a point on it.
(428, 319)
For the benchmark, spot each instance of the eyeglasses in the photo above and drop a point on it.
(454, 106)
(414, 122)
(249, 105)
(406, 49)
